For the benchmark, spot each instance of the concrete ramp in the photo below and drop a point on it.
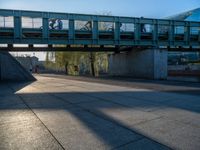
(12, 70)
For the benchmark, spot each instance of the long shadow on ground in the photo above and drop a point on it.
(88, 108)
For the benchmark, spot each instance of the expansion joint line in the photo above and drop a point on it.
(21, 98)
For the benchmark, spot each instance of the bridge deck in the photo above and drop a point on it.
(31, 27)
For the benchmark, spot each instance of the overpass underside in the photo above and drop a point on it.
(89, 48)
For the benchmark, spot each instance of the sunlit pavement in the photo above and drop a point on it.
(58, 113)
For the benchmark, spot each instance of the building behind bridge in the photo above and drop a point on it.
(185, 62)
(30, 63)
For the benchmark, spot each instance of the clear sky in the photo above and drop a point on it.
(134, 8)
(137, 8)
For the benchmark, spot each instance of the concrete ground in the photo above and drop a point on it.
(58, 112)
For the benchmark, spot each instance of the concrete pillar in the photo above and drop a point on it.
(149, 63)
(12, 70)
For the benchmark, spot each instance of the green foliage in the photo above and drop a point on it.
(69, 60)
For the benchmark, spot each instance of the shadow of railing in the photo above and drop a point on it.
(89, 108)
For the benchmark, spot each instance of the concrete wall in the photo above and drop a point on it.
(118, 64)
(11, 69)
(190, 67)
(150, 63)
(160, 64)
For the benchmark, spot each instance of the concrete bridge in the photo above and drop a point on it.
(146, 41)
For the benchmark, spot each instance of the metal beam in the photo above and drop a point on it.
(62, 49)
(19, 35)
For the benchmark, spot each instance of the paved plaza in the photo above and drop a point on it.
(64, 113)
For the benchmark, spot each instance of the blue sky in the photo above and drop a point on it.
(134, 8)
(137, 8)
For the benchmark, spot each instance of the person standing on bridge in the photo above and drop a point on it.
(143, 28)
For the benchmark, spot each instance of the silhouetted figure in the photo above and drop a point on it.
(143, 28)
(31, 68)
(66, 68)
(36, 68)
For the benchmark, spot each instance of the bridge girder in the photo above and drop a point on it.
(115, 37)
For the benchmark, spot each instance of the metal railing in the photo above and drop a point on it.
(31, 27)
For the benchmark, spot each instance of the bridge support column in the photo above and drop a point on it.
(12, 70)
(149, 63)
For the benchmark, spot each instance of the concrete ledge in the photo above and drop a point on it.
(12, 70)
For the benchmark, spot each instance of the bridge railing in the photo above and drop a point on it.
(31, 27)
